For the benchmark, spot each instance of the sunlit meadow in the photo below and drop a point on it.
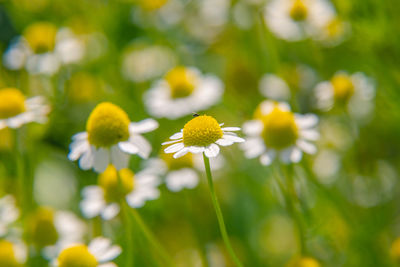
(194, 133)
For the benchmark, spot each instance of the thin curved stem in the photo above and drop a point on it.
(220, 218)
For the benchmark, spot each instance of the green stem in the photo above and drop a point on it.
(128, 235)
(219, 213)
(19, 163)
(151, 238)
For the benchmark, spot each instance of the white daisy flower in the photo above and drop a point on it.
(334, 32)
(99, 253)
(278, 132)
(16, 111)
(274, 87)
(103, 199)
(202, 134)
(295, 20)
(356, 92)
(182, 91)
(182, 173)
(53, 230)
(110, 138)
(9, 213)
(12, 253)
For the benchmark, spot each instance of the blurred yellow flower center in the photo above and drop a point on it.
(280, 129)
(343, 87)
(107, 125)
(151, 5)
(43, 230)
(12, 102)
(7, 255)
(395, 250)
(304, 262)
(116, 184)
(201, 131)
(298, 10)
(41, 36)
(334, 27)
(77, 256)
(179, 163)
(181, 81)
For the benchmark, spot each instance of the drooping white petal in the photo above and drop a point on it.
(254, 127)
(110, 254)
(285, 155)
(87, 159)
(110, 211)
(80, 136)
(142, 144)
(196, 149)
(306, 146)
(128, 147)
(235, 139)
(143, 126)
(224, 142)
(211, 151)
(233, 129)
(180, 179)
(119, 158)
(311, 135)
(181, 153)
(178, 135)
(91, 207)
(253, 147)
(101, 159)
(296, 155)
(306, 121)
(174, 148)
(267, 158)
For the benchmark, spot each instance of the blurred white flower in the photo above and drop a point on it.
(334, 32)
(16, 111)
(274, 87)
(9, 213)
(100, 252)
(295, 20)
(110, 139)
(145, 63)
(103, 199)
(276, 131)
(356, 92)
(181, 92)
(202, 134)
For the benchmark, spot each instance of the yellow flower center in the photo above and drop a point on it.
(343, 87)
(107, 125)
(298, 10)
(179, 163)
(77, 256)
(41, 36)
(280, 129)
(116, 184)
(395, 250)
(43, 231)
(201, 131)
(151, 5)
(7, 255)
(181, 81)
(304, 262)
(12, 102)
(334, 28)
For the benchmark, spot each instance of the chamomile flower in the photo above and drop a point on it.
(99, 253)
(303, 262)
(12, 254)
(202, 134)
(334, 32)
(9, 213)
(182, 91)
(181, 173)
(355, 92)
(110, 137)
(295, 20)
(51, 230)
(113, 186)
(278, 132)
(16, 110)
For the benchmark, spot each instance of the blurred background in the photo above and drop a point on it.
(80, 53)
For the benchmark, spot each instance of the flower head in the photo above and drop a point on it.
(115, 186)
(100, 251)
(10, 254)
(303, 262)
(15, 110)
(110, 137)
(41, 36)
(278, 131)
(182, 91)
(202, 134)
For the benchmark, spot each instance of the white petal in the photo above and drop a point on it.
(108, 264)
(196, 149)
(306, 121)
(212, 151)
(80, 136)
(254, 127)
(91, 207)
(110, 211)
(232, 138)
(143, 126)
(101, 159)
(306, 146)
(296, 155)
(142, 144)
(233, 129)
(285, 155)
(119, 158)
(128, 147)
(185, 178)
(174, 148)
(224, 142)
(77, 149)
(176, 136)
(87, 159)
(267, 158)
(171, 142)
(311, 135)
(181, 153)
